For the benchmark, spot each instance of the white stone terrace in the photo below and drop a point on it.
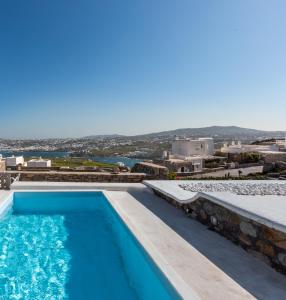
(202, 264)
(267, 206)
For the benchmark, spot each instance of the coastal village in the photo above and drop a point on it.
(197, 158)
(188, 158)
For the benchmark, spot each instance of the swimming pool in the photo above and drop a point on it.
(73, 245)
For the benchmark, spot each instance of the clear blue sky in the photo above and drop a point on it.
(73, 68)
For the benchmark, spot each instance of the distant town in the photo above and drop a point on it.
(141, 146)
(257, 154)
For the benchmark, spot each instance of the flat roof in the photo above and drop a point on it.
(200, 139)
(153, 165)
(273, 152)
(39, 160)
(188, 159)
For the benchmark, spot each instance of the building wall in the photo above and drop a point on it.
(184, 169)
(281, 144)
(14, 161)
(273, 157)
(209, 145)
(185, 148)
(238, 148)
(176, 167)
(197, 164)
(39, 164)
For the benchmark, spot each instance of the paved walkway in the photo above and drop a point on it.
(253, 275)
(4, 202)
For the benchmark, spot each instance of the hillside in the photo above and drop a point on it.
(217, 132)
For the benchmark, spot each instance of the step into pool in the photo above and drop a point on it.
(73, 245)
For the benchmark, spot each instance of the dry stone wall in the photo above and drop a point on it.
(5, 181)
(151, 170)
(263, 242)
(81, 177)
(2, 165)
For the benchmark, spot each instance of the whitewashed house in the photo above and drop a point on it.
(39, 163)
(188, 155)
(237, 148)
(14, 161)
(183, 148)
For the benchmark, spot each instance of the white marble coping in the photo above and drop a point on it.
(191, 273)
(170, 188)
(38, 185)
(6, 201)
(268, 210)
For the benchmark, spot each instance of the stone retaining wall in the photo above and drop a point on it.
(2, 165)
(81, 177)
(265, 243)
(153, 171)
(273, 157)
(5, 181)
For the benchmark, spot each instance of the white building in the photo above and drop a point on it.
(39, 163)
(184, 148)
(14, 161)
(237, 148)
(281, 144)
(197, 164)
(188, 155)
(190, 165)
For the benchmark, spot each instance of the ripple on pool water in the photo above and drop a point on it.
(33, 261)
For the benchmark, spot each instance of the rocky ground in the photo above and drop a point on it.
(239, 188)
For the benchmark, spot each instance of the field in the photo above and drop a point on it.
(78, 162)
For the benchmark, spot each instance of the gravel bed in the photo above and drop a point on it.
(237, 188)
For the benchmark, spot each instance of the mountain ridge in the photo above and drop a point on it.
(211, 131)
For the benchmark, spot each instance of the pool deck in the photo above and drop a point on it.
(199, 263)
(5, 201)
(184, 266)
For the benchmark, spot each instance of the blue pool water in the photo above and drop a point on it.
(73, 245)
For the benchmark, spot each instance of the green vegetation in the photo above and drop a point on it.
(115, 150)
(221, 154)
(79, 162)
(212, 164)
(245, 158)
(249, 157)
(172, 176)
(150, 150)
